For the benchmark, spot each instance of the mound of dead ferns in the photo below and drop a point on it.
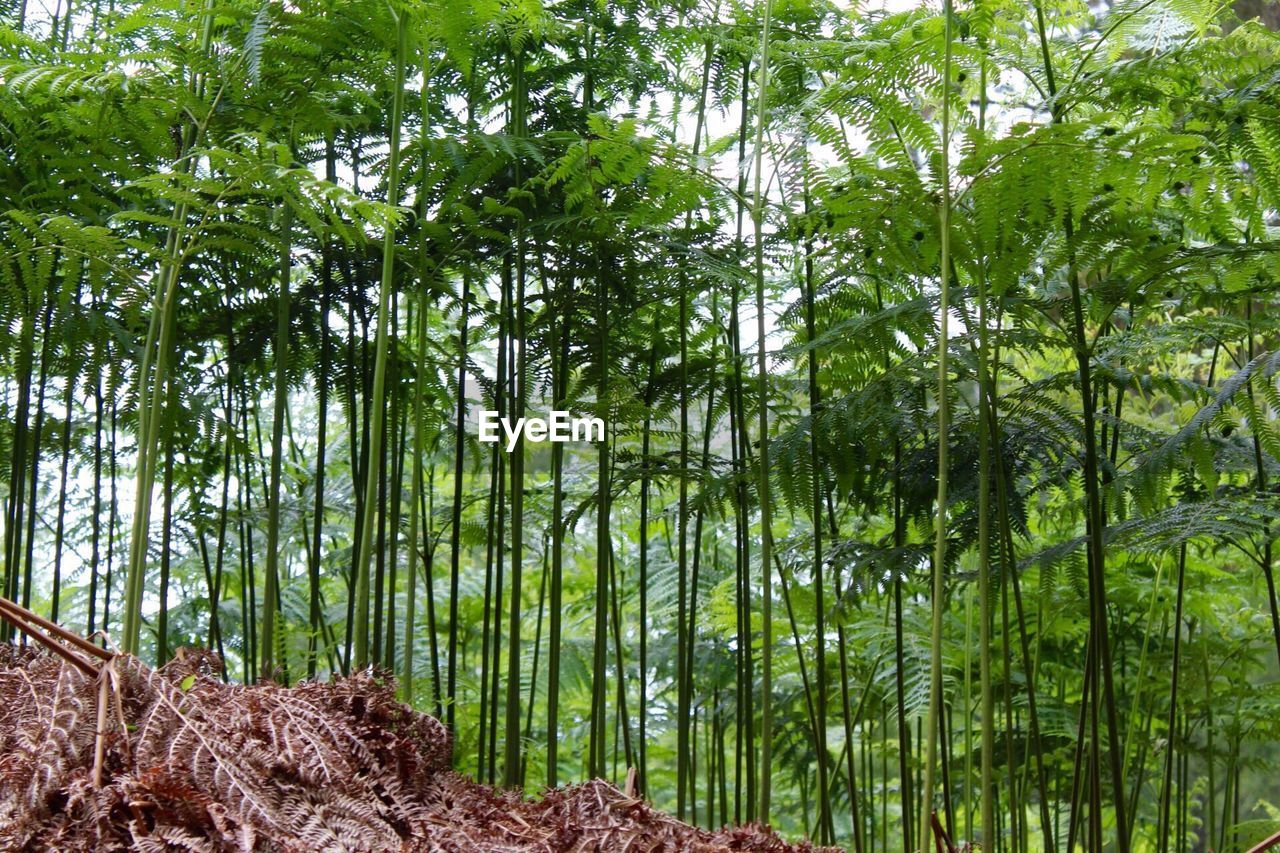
(191, 763)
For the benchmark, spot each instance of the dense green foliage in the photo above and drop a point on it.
(263, 263)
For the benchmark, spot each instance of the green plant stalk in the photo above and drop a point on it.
(496, 556)
(386, 472)
(426, 512)
(1093, 499)
(987, 772)
(744, 732)
(986, 796)
(1211, 790)
(899, 541)
(805, 682)
(215, 587)
(272, 579)
(600, 638)
(354, 447)
(1162, 828)
(378, 396)
(149, 414)
(595, 765)
(314, 614)
(940, 541)
(399, 430)
(512, 729)
(691, 630)
(687, 592)
(643, 663)
(1260, 482)
(244, 497)
(826, 820)
(33, 489)
(968, 711)
(1149, 716)
(37, 432)
(162, 618)
(151, 386)
(459, 461)
(537, 650)
(560, 375)
(621, 717)
(415, 489)
(13, 514)
(988, 407)
(113, 515)
(95, 522)
(60, 525)
(763, 472)
(410, 614)
(1014, 805)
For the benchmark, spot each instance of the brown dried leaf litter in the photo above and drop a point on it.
(192, 763)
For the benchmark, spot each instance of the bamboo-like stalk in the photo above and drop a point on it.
(60, 524)
(596, 762)
(166, 552)
(986, 802)
(113, 511)
(392, 491)
(281, 402)
(420, 366)
(560, 381)
(32, 502)
(15, 506)
(744, 722)
(415, 488)
(940, 508)
(643, 581)
(378, 394)
(1173, 747)
(1095, 527)
(159, 346)
(826, 826)
(686, 578)
(763, 470)
(513, 745)
(1260, 483)
(314, 614)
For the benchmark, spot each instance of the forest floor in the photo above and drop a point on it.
(176, 759)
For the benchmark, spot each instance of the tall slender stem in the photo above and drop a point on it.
(373, 465)
(940, 507)
(763, 470)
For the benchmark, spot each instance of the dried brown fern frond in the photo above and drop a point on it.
(47, 733)
(209, 766)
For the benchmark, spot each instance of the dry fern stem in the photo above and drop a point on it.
(192, 763)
